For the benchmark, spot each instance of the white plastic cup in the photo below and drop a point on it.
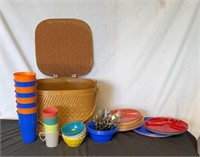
(50, 138)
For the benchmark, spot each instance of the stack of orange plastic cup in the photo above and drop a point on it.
(26, 99)
(26, 94)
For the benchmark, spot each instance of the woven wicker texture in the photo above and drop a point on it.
(64, 47)
(74, 98)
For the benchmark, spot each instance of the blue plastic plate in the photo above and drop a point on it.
(143, 131)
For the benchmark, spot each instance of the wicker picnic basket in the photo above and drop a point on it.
(64, 50)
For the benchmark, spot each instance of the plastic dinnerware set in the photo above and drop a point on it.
(26, 99)
(51, 126)
(130, 119)
(73, 133)
(133, 120)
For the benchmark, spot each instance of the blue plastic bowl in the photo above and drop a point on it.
(73, 128)
(25, 95)
(100, 136)
(25, 84)
(31, 105)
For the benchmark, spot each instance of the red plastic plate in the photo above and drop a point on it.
(143, 131)
(165, 125)
(128, 115)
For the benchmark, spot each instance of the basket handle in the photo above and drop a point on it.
(40, 122)
(96, 85)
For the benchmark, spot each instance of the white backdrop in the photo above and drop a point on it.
(146, 52)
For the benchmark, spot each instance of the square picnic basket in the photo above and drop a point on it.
(64, 51)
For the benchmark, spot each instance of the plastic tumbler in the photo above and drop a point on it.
(25, 76)
(28, 126)
(50, 121)
(25, 95)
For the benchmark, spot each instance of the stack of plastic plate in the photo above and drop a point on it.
(166, 125)
(130, 119)
(144, 131)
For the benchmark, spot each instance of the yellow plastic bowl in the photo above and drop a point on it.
(73, 142)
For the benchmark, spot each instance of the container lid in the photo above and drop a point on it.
(64, 47)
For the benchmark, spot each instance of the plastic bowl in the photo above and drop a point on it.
(25, 95)
(27, 110)
(79, 135)
(30, 105)
(26, 100)
(25, 89)
(50, 112)
(73, 142)
(25, 76)
(25, 84)
(73, 128)
(100, 136)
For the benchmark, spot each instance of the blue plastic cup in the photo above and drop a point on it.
(25, 84)
(25, 95)
(30, 105)
(28, 126)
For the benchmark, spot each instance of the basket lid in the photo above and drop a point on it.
(64, 47)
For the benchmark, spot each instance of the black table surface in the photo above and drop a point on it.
(123, 144)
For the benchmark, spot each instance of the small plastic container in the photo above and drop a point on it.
(26, 100)
(25, 95)
(100, 136)
(27, 110)
(73, 142)
(28, 127)
(50, 112)
(50, 121)
(79, 135)
(25, 76)
(72, 128)
(51, 128)
(30, 105)
(26, 89)
(25, 84)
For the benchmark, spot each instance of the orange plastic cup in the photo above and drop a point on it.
(25, 89)
(25, 76)
(26, 100)
(27, 110)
